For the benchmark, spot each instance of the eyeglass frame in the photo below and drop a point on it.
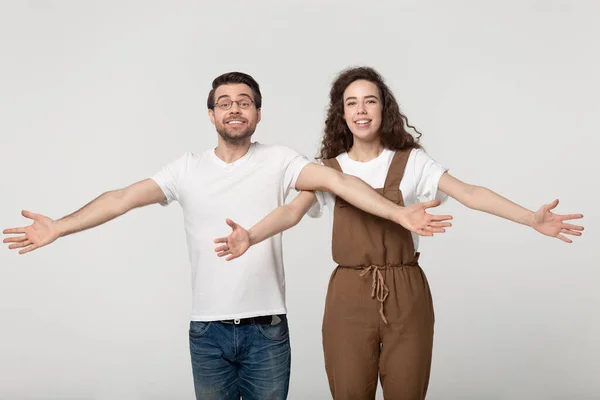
(237, 102)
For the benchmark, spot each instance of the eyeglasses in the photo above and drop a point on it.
(226, 104)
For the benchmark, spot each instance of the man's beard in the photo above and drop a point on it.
(222, 131)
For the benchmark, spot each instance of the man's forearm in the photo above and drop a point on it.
(104, 208)
(363, 196)
(350, 188)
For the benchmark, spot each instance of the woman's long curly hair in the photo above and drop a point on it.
(338, 137)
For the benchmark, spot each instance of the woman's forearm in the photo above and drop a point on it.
(276, 222)
(486, 200)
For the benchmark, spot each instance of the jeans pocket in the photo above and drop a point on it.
(199, 328)
(275, 332)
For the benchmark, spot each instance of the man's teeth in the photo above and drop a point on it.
(235, 122)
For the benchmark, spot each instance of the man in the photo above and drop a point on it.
(238, 335)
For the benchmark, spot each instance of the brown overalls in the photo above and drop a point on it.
(378, 313)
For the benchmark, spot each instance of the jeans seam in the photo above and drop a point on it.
(235, 341)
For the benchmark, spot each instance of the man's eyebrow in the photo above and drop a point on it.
(241, 94)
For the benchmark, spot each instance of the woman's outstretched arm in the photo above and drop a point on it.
(484, 199)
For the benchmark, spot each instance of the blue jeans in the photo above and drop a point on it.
(251, 361)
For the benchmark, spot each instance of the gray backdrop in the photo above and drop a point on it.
(97, 95)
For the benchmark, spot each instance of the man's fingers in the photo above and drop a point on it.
(19, 245)
(15, 239)
(440, 224)
(231, 223)
(224, 253)
(28, 249)
(570, 216)
(552, 205)
(424, 232)
(221, 248)
(13, 230)
(231, 257)
(572, 227)
(221, 240)
(28, 214)
(441, 217)
(570, 232)
(564, 239)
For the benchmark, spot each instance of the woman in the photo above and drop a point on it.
(379, 316)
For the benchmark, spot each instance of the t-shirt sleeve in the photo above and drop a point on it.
(317, 209)
(427, 176)
(323, 199)
(169, 176)
(294, 163)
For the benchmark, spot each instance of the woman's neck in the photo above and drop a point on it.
(365, 151)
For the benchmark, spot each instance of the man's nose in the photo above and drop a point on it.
(235, 107)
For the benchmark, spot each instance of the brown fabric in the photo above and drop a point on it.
(378, 313)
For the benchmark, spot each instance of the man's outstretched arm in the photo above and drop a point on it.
(358, 193)
(104, 208)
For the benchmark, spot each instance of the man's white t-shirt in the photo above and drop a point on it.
(210, 190)
(419, 182)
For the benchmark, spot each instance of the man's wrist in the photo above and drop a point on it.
(60, 227)
(399, 215)
(530, 220)
(251, 237)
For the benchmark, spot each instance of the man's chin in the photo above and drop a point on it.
(236, 137)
